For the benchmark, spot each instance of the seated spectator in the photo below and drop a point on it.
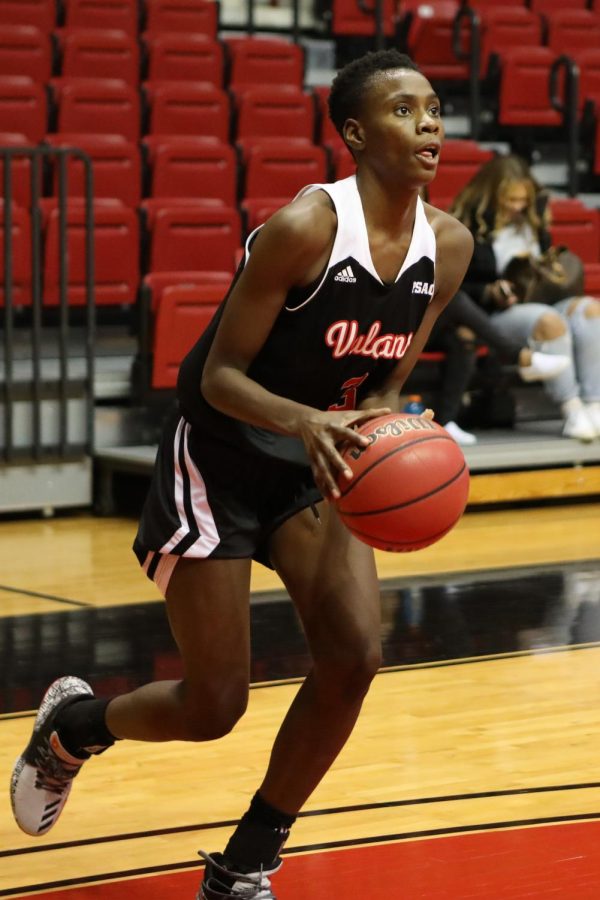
(506, 210)
(461, 327)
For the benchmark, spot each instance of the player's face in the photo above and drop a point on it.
(401, 125)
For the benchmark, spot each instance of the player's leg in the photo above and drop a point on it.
(207, 602)
(583, 315)
(332, 579)
(333, 582)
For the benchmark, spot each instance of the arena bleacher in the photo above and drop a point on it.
(200, 120)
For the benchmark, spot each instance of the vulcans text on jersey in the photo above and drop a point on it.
(345, 340)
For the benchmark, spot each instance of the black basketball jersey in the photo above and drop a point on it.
(329, 348)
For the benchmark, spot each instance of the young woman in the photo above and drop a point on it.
(506, 211)
(336, 297)
(463, 325)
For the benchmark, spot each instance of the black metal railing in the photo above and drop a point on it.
(36, 385)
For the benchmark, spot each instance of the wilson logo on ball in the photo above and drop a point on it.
(396, 427)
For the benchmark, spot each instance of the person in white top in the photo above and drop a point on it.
(506, 210)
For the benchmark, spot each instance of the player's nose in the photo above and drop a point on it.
(428, 124)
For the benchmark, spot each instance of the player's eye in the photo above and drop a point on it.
(403, 110)
(435, 111)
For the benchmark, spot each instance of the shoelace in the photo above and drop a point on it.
(253, 886)
(52, 773)
(261, 890)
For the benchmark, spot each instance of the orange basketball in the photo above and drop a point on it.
(410, 484)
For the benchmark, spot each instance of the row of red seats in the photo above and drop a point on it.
(349, 18)
(195, 240)
(430, 35)
(197, 169)
(127, 15)
(116, 54)
(87, 106)
(186, 237)
(164, 56)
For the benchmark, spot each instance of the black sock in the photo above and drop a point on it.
(259, 837)
(81, 727)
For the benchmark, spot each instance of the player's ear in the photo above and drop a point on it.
(354, 134)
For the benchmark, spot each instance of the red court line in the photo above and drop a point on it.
(559, 861)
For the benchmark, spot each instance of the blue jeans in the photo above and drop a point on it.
(581, 342)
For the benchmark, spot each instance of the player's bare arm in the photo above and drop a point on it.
(290, 251)
(454, 249)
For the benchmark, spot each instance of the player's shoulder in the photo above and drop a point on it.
(308, 221)
(448, 230)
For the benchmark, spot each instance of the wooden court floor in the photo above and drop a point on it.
(473, 771)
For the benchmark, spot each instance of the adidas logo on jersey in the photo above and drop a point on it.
(422, 287)
(346, 275)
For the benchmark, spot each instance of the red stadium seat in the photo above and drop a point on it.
(577, 227)
(183, 314)
(116, 166)
(108, 54)
(281, 169)
(25, 51)
(484, 5)
(23, 107)
(195, 108)
(195, 168)
(327, 132)
(21, 256)
(588, 61)
(508, 26)
(189, 238)
(264, 61)
(591, 278)
(187, 16)
(543, 6)
(430, 41)
(526, 66)
(116, 255)
(154, 283)
(119, 14)
(347, 18)
(184, 57)
(99, 107)
(20, 171)
(275, 111)
(571, 30)
(343, 162)
(40, 13)
(459, 162)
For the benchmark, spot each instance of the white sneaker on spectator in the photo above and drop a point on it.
(579, 425)
(543, 366)
(593, 412)
(460, 436)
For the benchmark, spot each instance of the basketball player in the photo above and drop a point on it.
(326, 318)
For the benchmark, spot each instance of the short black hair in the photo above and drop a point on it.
(348, 88)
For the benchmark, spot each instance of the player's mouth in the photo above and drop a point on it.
(428, 154)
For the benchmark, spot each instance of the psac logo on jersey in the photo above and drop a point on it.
(422, 287)
(346, 275)
(395, 427)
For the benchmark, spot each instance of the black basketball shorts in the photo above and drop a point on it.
(209, 500)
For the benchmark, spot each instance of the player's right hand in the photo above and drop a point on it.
(323, 433)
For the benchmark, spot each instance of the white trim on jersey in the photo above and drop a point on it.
(203, 517)
(352, 239)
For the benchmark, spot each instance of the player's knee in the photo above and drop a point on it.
(212, 714)
(592, 310)
(349, 675)
(549, 326)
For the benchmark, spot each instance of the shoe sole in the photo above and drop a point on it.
(58, 691)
